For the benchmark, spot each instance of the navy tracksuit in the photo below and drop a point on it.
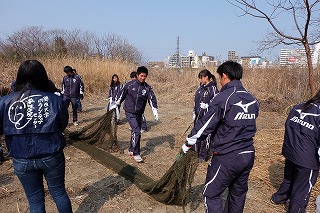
(72, 88)
(300, 148)
(231, 119)
(136, 96)
(203, 95)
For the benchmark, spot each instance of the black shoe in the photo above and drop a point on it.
(277, 203)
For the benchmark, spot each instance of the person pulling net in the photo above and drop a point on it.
(99, 138)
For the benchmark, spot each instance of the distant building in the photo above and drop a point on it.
(250, 61)
(232, 55)
(192, 60)
(174, 60)
(297, 57)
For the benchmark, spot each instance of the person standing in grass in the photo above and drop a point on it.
(114, 90)
(136, 94)
(32, 119)
(231, 120)
(72, 90)
(206, 91)
(301, 149)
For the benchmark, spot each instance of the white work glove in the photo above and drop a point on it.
(112, 105)
(194, 116)
(204, 105)
(155, 113)
(185, 148)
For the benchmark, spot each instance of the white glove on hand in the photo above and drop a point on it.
(112, 105)
(155, 113)
(185, 148)
(204, 105)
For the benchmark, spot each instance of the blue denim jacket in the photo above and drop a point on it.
(33, 123)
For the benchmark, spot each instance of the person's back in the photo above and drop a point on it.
(238, 121)
(231, 118)
(302, 135)
(38, 132)
(32, 119)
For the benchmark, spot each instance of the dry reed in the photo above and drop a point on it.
(275, 88)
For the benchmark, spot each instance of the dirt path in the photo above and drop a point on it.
(94, 188)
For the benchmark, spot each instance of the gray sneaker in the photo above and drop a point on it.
(75, 123)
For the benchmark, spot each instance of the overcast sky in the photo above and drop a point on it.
(211, 26)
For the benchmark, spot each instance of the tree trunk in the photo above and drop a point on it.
(310, 68)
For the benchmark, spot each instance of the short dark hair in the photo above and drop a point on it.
(67, 69)
(232, 69)
(142, 69)
(133, 74)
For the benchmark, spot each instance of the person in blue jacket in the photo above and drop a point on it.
(231, 120)
(114, 91)
(33, 119)
(79, 104)
(301, 151)
(206, 91)
(136, 94)
(72, 90)
(144, 127)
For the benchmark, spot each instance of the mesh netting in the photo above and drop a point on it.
(99, 138)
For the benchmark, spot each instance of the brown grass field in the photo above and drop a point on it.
(94, 188)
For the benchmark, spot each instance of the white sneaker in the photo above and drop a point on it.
(142, 131)
(75, 123)
(138, 158)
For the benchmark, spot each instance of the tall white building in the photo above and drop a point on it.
(297, 57)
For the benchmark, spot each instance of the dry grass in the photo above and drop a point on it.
(276, 88)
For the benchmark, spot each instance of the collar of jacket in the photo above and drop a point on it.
(234, 83)
(208, 85)
(141, 83)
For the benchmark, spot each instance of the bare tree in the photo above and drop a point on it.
(33, 41)
(303, 31)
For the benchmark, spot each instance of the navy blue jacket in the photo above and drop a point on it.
(72, 86)
(231, 119)
(136, 95)
(301, 138)
(114, 91)
(33, 123)
(204, 94)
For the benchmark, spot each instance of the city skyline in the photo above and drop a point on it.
(152, 27)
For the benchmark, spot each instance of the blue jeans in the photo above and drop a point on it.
(30, 173)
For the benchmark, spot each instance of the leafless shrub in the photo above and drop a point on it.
(34, 42)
